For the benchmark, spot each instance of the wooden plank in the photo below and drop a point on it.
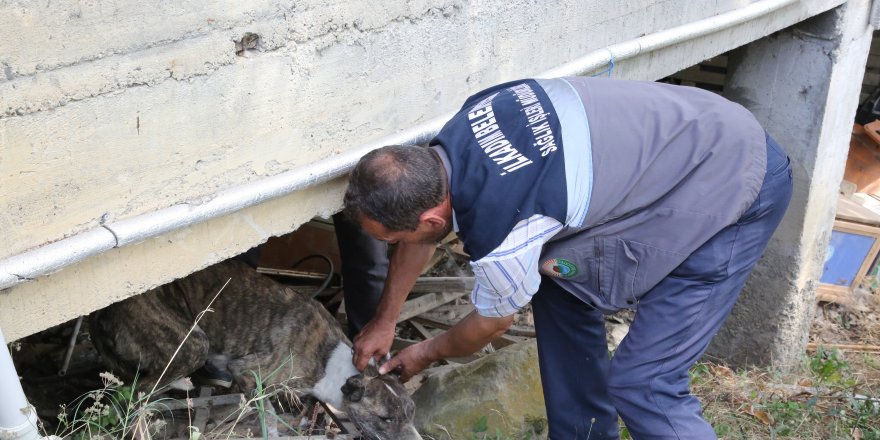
(856, 348)
(451, 312)
(292, 273)
(443, 284)
(200, 402)
(857, 228)
(834, 294)
(421, 329)
(425, 303)
(850, 210)
(202, 413)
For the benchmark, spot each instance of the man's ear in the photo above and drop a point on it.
(432, 220)
(439, 215)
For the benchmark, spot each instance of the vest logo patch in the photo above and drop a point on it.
(559, 268)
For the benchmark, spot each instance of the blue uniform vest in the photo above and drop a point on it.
(668, 167)
(505, 151)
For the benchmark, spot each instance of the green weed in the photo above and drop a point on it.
(829, 368)
(113, 411)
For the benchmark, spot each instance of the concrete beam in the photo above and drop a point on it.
(123, 272)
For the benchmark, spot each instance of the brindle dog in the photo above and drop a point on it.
(255, 325)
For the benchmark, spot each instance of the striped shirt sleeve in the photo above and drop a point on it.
(506, 278)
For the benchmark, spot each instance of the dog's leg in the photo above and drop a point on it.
(140, 337)
(192, 355)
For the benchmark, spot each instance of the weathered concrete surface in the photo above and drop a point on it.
(110, 110)
(803, 85)
(121, 272)
(504, 387)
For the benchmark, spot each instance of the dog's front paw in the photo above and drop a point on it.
(182, 384)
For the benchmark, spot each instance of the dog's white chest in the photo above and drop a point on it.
(339, 368)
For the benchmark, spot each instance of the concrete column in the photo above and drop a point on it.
(802, 84)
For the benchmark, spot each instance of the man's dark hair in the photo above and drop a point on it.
(394, 185)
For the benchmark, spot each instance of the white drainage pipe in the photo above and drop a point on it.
(18, 419)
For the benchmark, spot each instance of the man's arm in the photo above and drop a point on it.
(505, 281)
(407, 262)
(466, 337)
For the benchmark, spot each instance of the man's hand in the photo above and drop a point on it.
(410, 361)
(376, 337)
(465, 337)
(373, 342)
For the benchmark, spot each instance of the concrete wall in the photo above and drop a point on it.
(113, 109)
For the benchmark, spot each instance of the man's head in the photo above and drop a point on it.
(398, 193)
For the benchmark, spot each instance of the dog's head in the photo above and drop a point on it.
(380, 407)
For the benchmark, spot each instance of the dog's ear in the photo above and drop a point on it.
(372, 371)
(353, 390)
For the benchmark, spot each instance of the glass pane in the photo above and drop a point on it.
(846, 252)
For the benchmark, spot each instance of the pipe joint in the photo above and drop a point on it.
(25, 431)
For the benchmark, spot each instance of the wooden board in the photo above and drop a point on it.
(856, 348)
(851, 211)
(425, 303)
(833, 294)
(201, 402)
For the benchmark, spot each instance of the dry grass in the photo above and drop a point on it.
(115, 412)
(828, 398)
(831, 395)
